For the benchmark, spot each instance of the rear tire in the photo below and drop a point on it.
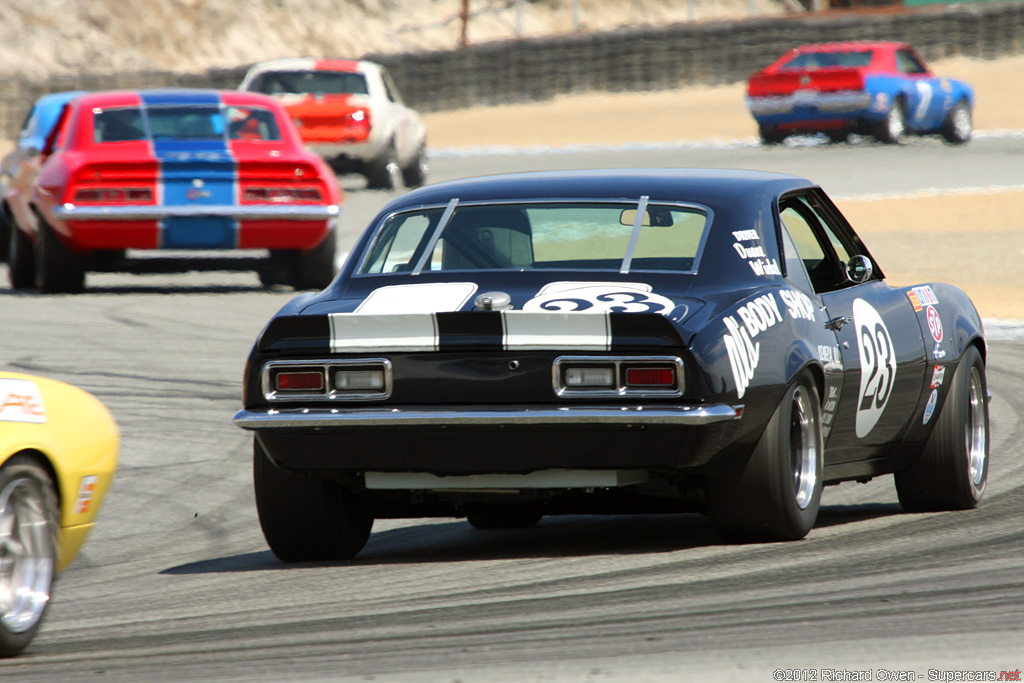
(777, 495)
(58, 268)
(415, 174)
(308, 518)
(314, 269)
(383, 173)
(951, 472)
(958, 125)
(21, 264)
(28, 551)
(770, 134)
(892, 128)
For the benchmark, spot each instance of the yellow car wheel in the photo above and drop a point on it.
(28, 550)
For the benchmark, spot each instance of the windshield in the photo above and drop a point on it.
(595, 236)
(185, 123)
(824, 60)
(306, 82)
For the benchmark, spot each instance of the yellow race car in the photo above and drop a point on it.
(58, 453)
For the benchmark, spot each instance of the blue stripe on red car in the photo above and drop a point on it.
(194, 172)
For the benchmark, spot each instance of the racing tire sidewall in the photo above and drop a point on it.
(58, 268)
(951, 473)
(21, 265)
(33, 481)
(307, 518)
(760, 502)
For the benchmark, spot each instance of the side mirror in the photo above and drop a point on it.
(859, 269)
(32, 152)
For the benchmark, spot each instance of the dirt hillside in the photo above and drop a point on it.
(40, 37)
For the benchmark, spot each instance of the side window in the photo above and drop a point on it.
(795, 270)
(811, 243)
(28, 128)
(389, 87)
(822, 249)
(907, 63)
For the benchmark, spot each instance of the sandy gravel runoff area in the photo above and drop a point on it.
(718, 113)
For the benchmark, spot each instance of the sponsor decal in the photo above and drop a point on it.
(938, 375)
(921, 297)
(755, 317)
(877, 365)
(599, 297)
(798, 304)
(929, 408)
(21, 401)
(432, 297)
(754, 254)
(830, 355)
(828, 410)
(86, 491)
(934, 323)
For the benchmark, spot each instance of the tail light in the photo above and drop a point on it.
(281, 195)
(342, 380)
(605, 376)
(650, 377)
(113, 195)
(358, 121)
(299, 380)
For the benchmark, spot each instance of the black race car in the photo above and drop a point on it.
(610, 341)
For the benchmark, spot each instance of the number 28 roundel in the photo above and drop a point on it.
(877, 365)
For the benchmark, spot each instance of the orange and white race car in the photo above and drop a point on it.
(350, 113)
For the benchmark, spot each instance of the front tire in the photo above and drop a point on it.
(951, 472)
(308, 518)
(958, 125)
(893, 127)
(28, 551)
(777, 495)
(58, 268)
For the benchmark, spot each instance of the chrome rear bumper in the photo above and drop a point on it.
(461, 416)
(242, 212)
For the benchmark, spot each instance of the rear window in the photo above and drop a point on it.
(825, 60)
(594, 236)
(184, 123)
(310, 82)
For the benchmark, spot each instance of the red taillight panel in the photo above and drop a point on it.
(113, 195)
(650, 377)
(300, 380)
(281, 195)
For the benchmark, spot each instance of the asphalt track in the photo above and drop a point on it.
(176, 582)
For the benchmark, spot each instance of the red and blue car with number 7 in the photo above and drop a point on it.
(880, 89)
(181, 171)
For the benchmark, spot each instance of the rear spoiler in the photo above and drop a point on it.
(476, 330)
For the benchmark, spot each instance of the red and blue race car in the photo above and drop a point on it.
(881, 89)
(176, 169)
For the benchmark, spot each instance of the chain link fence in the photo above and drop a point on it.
(619, 61)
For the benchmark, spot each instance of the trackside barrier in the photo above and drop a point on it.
(619, 61)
